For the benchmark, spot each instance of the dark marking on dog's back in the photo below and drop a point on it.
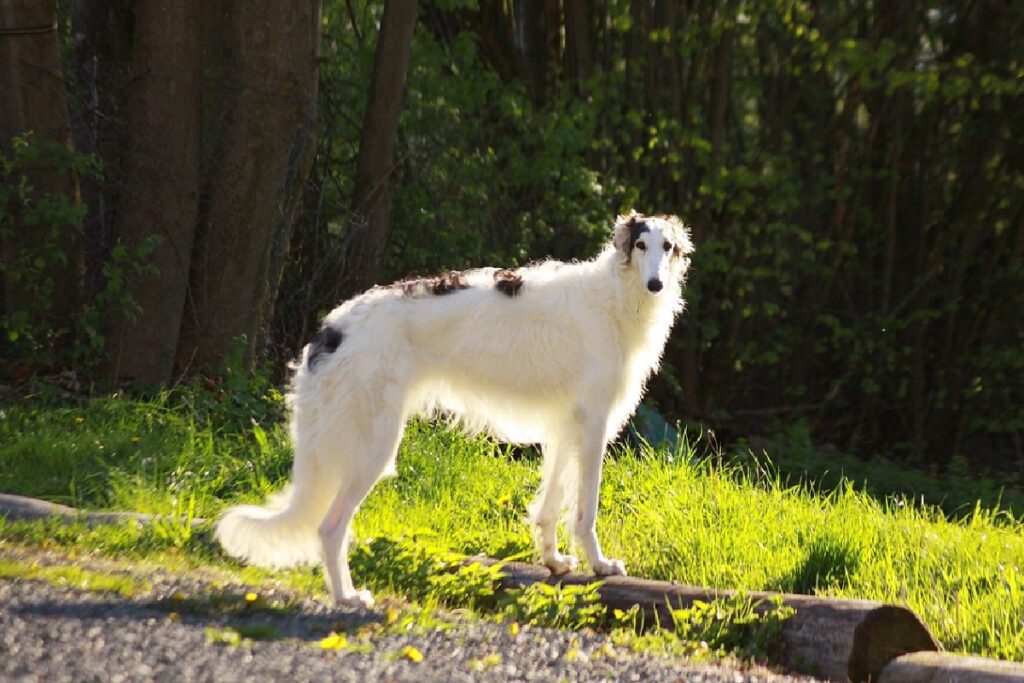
(446, 283)
(508, 282)
(325, 341)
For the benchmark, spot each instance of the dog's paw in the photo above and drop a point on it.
(360, 599)
(561, 564)
(606, 567)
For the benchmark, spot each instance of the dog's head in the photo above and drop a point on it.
(659, 247)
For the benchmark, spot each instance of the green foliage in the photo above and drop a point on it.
(829, 264)
(735, 624)
(421, 570)
(176, 528)
(556, 606)
(235, 398)
(473, 196)
(852, 177)
(468, 585)
(52, 219)
(46, 228)
(124, 263)
(400, 565)
(794, 457)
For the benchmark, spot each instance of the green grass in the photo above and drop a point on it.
(957, 489)
(668, 515)
(74, 577)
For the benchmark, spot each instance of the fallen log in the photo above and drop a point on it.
(943, 667)
(21, 508)
(830, 638)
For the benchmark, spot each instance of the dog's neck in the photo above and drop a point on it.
(638, 311)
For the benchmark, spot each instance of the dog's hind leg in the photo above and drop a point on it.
(358, 480)
(546, 508)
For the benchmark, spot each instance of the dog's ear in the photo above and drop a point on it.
(683, 244)
(622, 237)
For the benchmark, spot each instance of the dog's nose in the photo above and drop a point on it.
(654, 284)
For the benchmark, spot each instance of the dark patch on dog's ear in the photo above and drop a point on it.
(628, 230)
(508, 282)
(637, 226)
(326, 340)
(446, 283)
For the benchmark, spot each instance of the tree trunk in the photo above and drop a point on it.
(720, 95)
(34, 99)
(579, 55)
(371, 200)
(495, 30)
(531, 39)
(160, 191)
(259, 100)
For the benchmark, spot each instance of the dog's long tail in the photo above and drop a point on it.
(281, 534)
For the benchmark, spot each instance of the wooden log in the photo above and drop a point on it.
(943, 667)
(835, 639)
(19, 507)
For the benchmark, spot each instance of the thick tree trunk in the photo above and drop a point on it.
(260, 84)
(33, 99)
(160, 191)
(375, 166)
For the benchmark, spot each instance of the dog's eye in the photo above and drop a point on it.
(667, 246)
(641, 246)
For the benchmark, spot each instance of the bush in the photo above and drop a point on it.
(55, 325)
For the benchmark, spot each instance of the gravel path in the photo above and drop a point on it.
(55, 633)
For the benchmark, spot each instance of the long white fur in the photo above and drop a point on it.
(563, 363)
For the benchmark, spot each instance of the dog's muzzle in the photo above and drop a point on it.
(654, 284)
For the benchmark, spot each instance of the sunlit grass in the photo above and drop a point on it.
(74, 577)
(669, 515)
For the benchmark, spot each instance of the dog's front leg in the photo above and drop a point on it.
(585, 524)
(547, 507)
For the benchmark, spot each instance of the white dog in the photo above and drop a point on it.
(554, 353)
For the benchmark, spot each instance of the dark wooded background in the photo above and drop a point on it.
(852, 172)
